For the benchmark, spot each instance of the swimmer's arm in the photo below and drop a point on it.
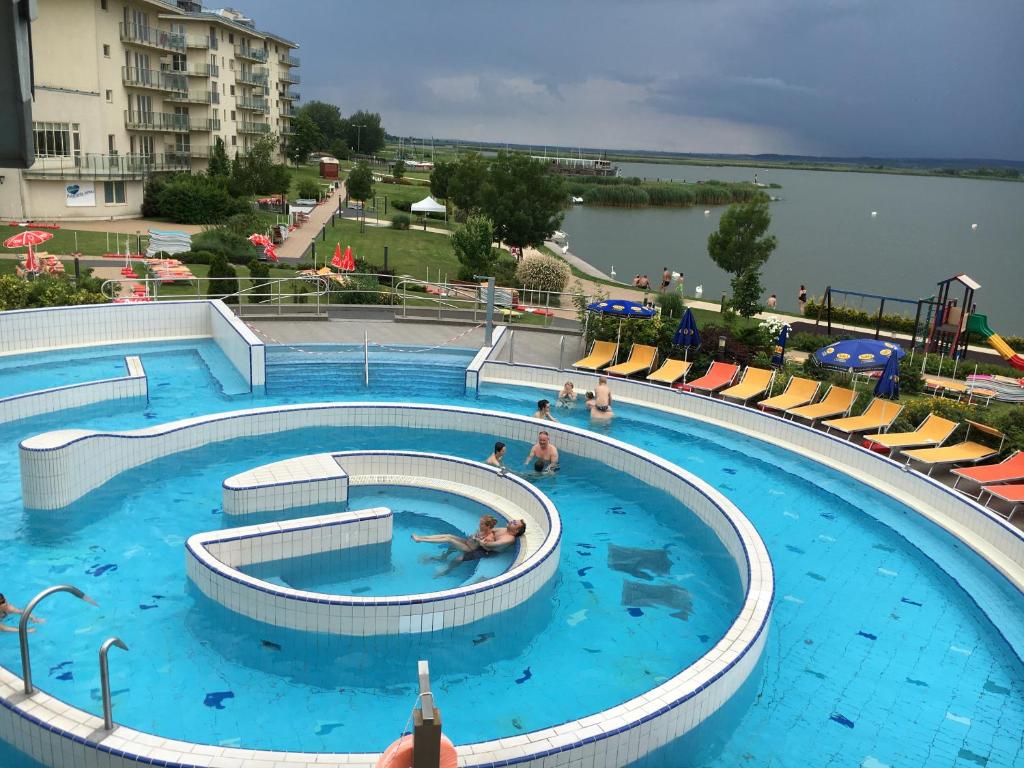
(529, 456)
(554, 455)
(5, 628)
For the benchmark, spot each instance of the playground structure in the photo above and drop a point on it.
(926, 306)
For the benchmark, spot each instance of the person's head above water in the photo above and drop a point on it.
(543, 438)
(517, 528)
(542, 405)
(499, 448)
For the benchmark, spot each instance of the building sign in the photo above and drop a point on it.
(80, 194)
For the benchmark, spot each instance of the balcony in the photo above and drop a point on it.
(252, 54)
(197, 41)
(288, 111)
(243, 127)
(196, 97)
(203, 70)
(290, 95)
(289, 61)
(152, 37)
(170, 82)
(256, 77)
(287, 130)
(91, 166)
(204, 124)
(253, 105)
(290, 76)
(188, 153)
(156, 121)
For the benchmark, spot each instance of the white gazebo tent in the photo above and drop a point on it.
(429, 205)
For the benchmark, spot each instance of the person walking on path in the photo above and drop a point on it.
(801, 298)
(666, 279)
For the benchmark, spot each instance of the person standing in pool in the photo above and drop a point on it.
(603, 396)
(544, 454)
(544, 411)
(6, 609)
(497, 459)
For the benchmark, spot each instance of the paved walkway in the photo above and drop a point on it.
(298, 241)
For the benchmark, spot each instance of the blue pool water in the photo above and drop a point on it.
(876, 654)
(397, 567)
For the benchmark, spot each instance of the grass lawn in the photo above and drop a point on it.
(63, 242)
(410, 252)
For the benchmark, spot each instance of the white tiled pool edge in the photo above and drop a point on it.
(508, 496)
(613, 737)
(133, 386)
(52, 328)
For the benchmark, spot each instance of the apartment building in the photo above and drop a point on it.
(128, 88)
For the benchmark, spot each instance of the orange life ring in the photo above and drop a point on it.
(399, 754)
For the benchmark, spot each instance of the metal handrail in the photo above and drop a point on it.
(26, 663)
(366, 358)
(108, 713)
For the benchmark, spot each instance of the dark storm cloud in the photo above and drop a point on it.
(850, 77)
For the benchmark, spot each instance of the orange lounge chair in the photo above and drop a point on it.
(837, 402)
(670, 372)
(879, 415)
(1009, 470)
(798, 392)
(932, 432)
(962, 453)
(641, 358)
(1011, 494)
(755, 382)
(719, 376)
(601, 354)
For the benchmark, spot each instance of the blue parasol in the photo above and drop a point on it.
(889, 384)
(687, 334)
(858, 354)
(621, 308)
(779, 353)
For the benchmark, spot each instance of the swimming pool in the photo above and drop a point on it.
(876, 656)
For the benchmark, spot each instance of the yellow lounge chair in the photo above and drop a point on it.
(932, 432)
(670, 372)
(879, 415)
(755, 382)
(641, 358)
(837, 402)
(967, 452)
(601, 354)
(798, 392)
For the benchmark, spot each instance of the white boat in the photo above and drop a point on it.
(577, 200)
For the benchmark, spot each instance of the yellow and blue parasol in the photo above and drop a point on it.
(858, 354)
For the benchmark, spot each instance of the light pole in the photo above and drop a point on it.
(359, 133)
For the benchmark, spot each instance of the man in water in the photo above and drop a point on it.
(544, 411)
(497, 459)
(503, 539)
(603, 396)
(543, 454)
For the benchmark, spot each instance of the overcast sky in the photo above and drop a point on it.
(908, 78)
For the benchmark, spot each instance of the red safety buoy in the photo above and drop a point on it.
(399, 754)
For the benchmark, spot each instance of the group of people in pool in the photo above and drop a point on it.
(598, 402)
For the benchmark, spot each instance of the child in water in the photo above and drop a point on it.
(485, 533)
(567, 397)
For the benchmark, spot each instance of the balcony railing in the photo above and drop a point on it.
(197, 41)
(290, 76)
(289, 61)
(288, 111)
(290, 95)
(244, 127)
(257, 77)
(156, 121)
(139, 34)
(155, 79)
(252, 54)
(196, 97)
(204, 124)
(253, 105)
(287, 130)
(105, 166)
(188, 153)
(203, 70)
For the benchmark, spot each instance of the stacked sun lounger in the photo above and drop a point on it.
(168, 241)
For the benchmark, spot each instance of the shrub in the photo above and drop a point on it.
(401, 221)
(915, 411)
(1012, 424)
(259, 271)
(308, 189)
(360, 289)
(671, 304)
(47, 291)
(223, 242)
(543, 273)
(245, 223)
(223, 279)
(191, 199)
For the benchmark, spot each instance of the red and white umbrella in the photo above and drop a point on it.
(336, 261)
(27, 240)
(348, 264)
(269, 252)
(259, 239)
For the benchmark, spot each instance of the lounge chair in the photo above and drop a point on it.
(967, 452)
(641, 358)
(1009, 470)
(1011, 494)
(670, 372)
(879, 415)
(932, 432)
(837, 402)
(755, 382)
(719, 375)
(601, 354)
(798, 392)
(958, 390)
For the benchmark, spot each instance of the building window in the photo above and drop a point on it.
(110, 96)
(234, 140)
(113, 193)
(232, 90)
(103, 5)
(111, 144)
(106, 50)
(178, 62)
(231, 38)
(56, 139)
(232, 115)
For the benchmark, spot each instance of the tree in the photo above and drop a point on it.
(360, 182)
(327, 118)
(340, 150)
(256, 173)
(473, 246)
(466, 184)
(398, 169)
(220, 165)
(364, 133)
(523, 199)
(259, 271)
(741, 249)
(228, 282)
(308, 137)
(440, 178)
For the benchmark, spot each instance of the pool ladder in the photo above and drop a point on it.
(26, 662)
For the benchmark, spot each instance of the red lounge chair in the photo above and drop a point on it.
(1011, 494)
(1007, 471)
(719, 375)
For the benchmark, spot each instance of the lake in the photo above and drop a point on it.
(827, 236)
